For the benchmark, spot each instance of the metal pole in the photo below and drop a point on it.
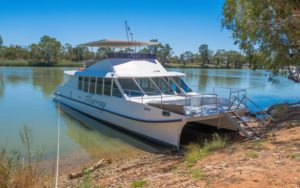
(57, 152)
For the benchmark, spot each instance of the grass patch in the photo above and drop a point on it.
(252, 154)
(86, 181)
(138, 183)
(195, 152)
(259, 145)
(294, 155)
(197, 173)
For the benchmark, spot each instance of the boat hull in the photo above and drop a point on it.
(165, 132)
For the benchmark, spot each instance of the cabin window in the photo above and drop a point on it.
(163, 86)
(80, 82)
(182, 84)
(147, 86)
(130, 88)
(115, 90)
(92, 84)
(99, 86)
(107, 86)
(86, 84)
(172, 84)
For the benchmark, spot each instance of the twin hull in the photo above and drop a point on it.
(135, 117)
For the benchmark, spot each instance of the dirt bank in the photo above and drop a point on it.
(273, 161)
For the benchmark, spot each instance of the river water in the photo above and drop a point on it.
(26, 100)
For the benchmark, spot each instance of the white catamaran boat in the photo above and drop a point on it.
(135, 92)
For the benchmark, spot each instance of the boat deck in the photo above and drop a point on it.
(193, 107)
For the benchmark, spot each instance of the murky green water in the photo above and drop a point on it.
(26, 99)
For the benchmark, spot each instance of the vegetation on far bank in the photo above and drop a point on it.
(50, 52)
(26, 63)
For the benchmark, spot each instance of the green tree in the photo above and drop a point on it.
(205, 54)
(219, 57)
(267, 31)
(101, 52)
(186, 57)
(47, 51)
(69, 52)
(166, 53)
(163, 52)
(234, 59)
(15, 52)
(1, 41)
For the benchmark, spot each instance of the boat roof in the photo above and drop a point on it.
(117, 43)
(126, 68)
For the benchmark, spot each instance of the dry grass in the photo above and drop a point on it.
(18, 173)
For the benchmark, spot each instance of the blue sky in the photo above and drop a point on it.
(184, 24)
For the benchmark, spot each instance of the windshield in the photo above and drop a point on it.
(173, 85)
(163, 86)
(147, 86)
(130, 88)
(182, 84)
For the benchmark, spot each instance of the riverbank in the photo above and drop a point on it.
(198, 66)
(24, 63)
(63, 63)
(272, 161)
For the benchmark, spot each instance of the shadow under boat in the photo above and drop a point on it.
(106, 132)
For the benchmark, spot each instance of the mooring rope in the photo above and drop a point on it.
(57, 152)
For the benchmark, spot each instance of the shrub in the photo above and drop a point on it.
(195, 152)
(138, 183)
(280, 112)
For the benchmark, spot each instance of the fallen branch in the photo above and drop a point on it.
(89, 170)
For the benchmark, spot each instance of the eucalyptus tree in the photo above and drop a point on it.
(234, 59)
(205, 53)
(185, 57)
(47, 51)
(267, 31)
(69, 52)
(219, 57)
(166, 53)
(1, 41)
(15, 52)
(162, 52)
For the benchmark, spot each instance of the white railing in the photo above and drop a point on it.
(187, 101)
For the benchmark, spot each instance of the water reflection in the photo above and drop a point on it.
(47, 79)
(100, 140)
(1, 85)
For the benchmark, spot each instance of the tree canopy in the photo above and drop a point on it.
(267, 31)
(49, 51)
(1, 41)
(205, 53)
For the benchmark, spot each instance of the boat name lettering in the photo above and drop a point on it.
(96, 102)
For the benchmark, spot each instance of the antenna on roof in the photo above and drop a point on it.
(126, 28)
(128, 32)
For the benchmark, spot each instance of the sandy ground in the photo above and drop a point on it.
(273, 161)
